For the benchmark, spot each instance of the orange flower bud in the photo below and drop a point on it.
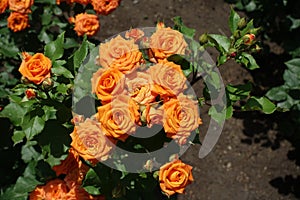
(249, 39)
(30, 93)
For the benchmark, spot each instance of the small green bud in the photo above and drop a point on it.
(237, 34)
(242, 23)
(203, 39)
(47, 84)
(24, 80)
(255, 31)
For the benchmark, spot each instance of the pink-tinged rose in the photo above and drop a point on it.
(135, 34)
(166, 42)
(139, 86)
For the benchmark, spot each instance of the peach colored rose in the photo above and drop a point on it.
(35, 68)
(17, 21)
(136, 34)
(139, 86)
(119, 117)
(3, 6)
(78, 193)
(21, 6)
(154, 115)
(89, 141)
(54, 189)
(106, 83)
(166, 42)
(168, 79)
(121, 54)
(174, 177)
(88, 24)
(181, 117)
(69, 164)
(104, 7)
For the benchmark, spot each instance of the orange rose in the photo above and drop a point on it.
(54, 189)
(181, 117)
(119, 117)
(21, 6)
(174, 177)
(3, 6)
(84, 2)
(70, 163)
(166, 42)
(89, 141)
(35, 68)
(140, 86)
(68, 1)
(168, 79)
(135, 34)
(76, 175)
(104, 7)
(121, 54)
(78, 193)
(107, 83)
(17, 21)
(86, 24)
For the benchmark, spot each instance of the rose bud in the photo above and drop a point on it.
(30, 93)
(24, 80)
(249, 39)
(160, 25)
(47, 84)
(135, 34)
(242, 23)
(203, 39)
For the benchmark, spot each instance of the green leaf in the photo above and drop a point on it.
(295, 23)
(55, 49)
(49, 113)
(51, 2)
(91, 182)
(263, 104)
(62, 88)
(70, 43)
(294, 66)
(80, 54)
(28, 152)
(291, 79)
(233, 21)
(238, 92)
(18, 137)
(221, 42)
(248, 61)
(277, 93)
(61, 71)
(179, 60)
(14, 112)
(218, 115)
(178, 25)
(247, 28)
(34, 127)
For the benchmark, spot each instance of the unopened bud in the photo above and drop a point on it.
(256, 49)
(30, 93)
(149, 165)
(242, 23)
(232, 52)
(24, 80)
(203, 39)
(47, 83)
(160, 25)
(237, 34)
(249, 39)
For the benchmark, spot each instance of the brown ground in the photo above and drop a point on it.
(251, 159)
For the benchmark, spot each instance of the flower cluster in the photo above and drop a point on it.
(69, 187)
(89, 24)
(18, 19)
(139, 87)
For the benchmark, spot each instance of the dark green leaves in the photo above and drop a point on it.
(91, 182)
(55, 49)
(260, 103)
(178, 25)
(234, 19)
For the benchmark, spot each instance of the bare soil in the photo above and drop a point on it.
(252, 159)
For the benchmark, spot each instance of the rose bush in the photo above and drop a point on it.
(83, 121)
